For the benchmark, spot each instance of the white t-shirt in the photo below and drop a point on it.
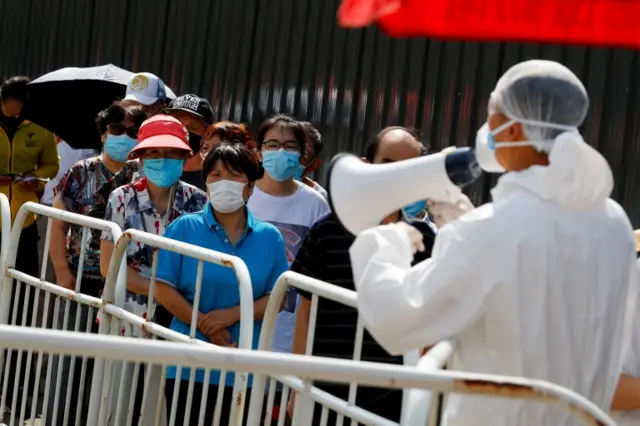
(68, 157)
(294, 216)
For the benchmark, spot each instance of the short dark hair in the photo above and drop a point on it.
(119, 112)
(284, 122)
(371, 150)
(15, 88)
(313, 134)
(236, 156)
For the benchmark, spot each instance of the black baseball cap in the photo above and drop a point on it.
(193, 105)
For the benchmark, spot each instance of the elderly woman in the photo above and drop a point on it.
(151, 203)
(225, 225)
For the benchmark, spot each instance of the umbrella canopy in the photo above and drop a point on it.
(608, 23)
(66, 101)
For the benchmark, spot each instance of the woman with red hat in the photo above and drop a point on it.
(151, 203)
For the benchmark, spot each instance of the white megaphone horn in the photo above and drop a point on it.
(362, 194)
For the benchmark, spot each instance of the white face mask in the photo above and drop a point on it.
(486, 143)
(226, 195)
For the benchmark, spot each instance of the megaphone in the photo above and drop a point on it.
(362, 194)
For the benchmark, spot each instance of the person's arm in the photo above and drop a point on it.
(168, 278)
(135, 282)
(173, 301)
(168, 292)
(308, 262)
(58, 249)
(217, 320)
(404, 307)
(627, 395)
(49, 162)
(301, 330)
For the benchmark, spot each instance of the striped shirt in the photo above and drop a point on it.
(324, 255)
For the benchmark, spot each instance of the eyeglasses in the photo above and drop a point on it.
(119, 128)
(274, 145)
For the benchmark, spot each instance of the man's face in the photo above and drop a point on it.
(193, 124)
(11, 107)
(397, 145)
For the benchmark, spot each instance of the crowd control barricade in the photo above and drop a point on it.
(119, 411)
(5, 213)
(34, 385)
(308, 396)
(422, 407)
(261, 363)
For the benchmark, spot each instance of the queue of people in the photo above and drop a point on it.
(528, 284)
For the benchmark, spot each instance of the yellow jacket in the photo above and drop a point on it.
(33, 150)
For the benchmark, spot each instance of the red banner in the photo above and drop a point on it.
(612, 23)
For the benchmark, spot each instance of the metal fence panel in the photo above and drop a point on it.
(32, 383)
(154, 377)
(117, 348)
(308, 396)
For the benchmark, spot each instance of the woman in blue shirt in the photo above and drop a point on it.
(225, 225)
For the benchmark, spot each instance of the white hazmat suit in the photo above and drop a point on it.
(535, 284)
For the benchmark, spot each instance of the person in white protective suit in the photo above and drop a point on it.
(539, 283)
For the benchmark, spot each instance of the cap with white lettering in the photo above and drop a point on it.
(193, 105)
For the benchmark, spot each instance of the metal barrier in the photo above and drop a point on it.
(25, 379)
(155, 378)
(112, 384)
(266, 363)
(421, 407)
(308, 395)
(5, 214)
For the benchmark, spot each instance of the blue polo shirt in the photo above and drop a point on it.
(261, 248)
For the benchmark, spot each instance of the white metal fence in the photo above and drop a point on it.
(116, 348)
(308, 396)
(117, 360)
(57, 389)
(155, 377)
(21, 293)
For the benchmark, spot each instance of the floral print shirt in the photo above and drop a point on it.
(130, 207)
(79, 190)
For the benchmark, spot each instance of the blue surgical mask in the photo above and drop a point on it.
(299, 172)
(280, 164)
(119, 146)
(416, 208)
(163, 172)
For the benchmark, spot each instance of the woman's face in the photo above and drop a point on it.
(172, 153)
(221, 172)
(209, 144)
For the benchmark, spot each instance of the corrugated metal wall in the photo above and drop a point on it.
(253, 57)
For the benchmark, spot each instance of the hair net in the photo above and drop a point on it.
(542, 91)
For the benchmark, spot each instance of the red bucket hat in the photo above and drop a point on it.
(161, 131)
